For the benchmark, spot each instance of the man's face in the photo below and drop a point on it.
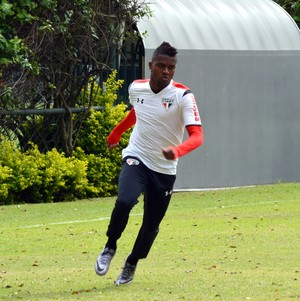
(162, 70)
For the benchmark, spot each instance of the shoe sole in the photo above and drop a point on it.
(121, 283)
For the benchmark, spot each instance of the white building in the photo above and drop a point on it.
(241, 59)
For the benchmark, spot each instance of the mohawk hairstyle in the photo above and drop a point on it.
(165, 49)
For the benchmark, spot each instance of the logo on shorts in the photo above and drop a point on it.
(168, 192)
(131, 161)
(167, 102)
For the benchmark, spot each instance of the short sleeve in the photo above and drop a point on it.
(190, 110)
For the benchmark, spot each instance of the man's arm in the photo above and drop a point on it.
(194, 140)
(116, 134)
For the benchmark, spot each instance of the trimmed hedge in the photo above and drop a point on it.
(33, 177)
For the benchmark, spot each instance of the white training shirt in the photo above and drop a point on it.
(160, 122)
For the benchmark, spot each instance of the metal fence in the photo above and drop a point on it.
(42, 127)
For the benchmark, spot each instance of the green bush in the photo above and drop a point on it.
(33, 177)
(21, 171)
(5, 175)
(61, 178)
(103, 165)
(102, 173)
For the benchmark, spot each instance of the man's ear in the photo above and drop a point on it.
(150, 66)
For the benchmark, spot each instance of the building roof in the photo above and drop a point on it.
(220, 25)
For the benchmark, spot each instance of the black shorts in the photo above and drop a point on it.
(136, 178)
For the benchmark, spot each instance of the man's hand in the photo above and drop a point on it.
(168, 153)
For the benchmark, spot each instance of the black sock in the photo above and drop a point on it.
(132, 259)
(111, 244)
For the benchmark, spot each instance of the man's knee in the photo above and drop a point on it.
(125, 203)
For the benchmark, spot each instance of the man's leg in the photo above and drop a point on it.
(131, 184)
(156, 201)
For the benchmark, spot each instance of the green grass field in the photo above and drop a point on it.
(234, 244)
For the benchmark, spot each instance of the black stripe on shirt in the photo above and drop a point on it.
(186, 92)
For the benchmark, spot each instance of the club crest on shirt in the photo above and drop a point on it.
(167, 102)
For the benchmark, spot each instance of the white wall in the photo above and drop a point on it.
(249, 102)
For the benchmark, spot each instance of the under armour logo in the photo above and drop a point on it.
(169, 192)
(139, 100)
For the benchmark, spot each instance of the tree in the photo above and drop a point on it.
(52, 52)
(292, 7)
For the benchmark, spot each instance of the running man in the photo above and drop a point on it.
(161, 110)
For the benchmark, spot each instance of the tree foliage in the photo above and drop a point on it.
(292, 7)
(52, 51)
